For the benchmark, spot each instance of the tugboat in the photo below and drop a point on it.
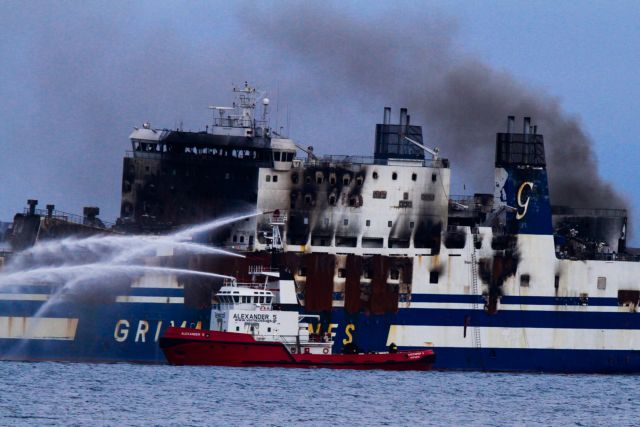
(249, 328)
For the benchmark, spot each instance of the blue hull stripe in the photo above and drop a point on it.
(538, 360)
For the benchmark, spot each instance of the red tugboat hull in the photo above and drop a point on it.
(185, 346)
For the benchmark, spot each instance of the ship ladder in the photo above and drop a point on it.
(474, 289)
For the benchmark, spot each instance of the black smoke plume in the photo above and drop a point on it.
(411, 60)
(76, 77)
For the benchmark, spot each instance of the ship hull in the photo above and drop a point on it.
(184, 346)
(81, 331)
(130, 332)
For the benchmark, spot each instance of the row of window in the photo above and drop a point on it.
(282, 156)
(319, 178)
(367, 222)
(240, 239)
(346, 179)
(394, 273)
(526, 278)
(414, 176)
(151, 147)
(230, 299)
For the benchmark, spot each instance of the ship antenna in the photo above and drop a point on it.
(278, 106)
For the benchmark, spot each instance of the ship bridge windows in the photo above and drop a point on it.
(282, 159)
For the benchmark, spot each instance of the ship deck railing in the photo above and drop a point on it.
(250, 285)
(570, 211)
(257, 269)
(69, 217)
(362, 160)
(590, 256)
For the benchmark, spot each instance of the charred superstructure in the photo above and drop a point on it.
(173, 177)
(380, 250)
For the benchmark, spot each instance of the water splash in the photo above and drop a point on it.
(209, 226)
(68, 261)
(63, 274)
(117, 248)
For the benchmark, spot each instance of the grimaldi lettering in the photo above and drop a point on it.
(255, 317)
(144, 330)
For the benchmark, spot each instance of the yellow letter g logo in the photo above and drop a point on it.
(521, 204)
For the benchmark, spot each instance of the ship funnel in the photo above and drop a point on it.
(387, 116)
(50, 209)
(32, 206)
(510, 122)
(91, 212)
(403, 117)
(521, 196)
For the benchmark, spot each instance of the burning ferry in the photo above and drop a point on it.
(378, 248)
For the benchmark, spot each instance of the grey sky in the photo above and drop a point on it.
(76, 77)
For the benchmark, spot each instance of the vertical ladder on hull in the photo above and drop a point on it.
(474, 288)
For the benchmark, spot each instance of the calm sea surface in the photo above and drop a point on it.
(86, 394)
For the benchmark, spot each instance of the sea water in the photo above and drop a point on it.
(123, 394)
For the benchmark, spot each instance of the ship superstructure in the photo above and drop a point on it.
(382, 252)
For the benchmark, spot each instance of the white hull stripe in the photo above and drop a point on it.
(156, 300)
(124, 298)
(24, 297)
(502, 307)
(38, 328)
(517, 338)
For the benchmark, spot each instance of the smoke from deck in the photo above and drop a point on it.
(411, 60)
